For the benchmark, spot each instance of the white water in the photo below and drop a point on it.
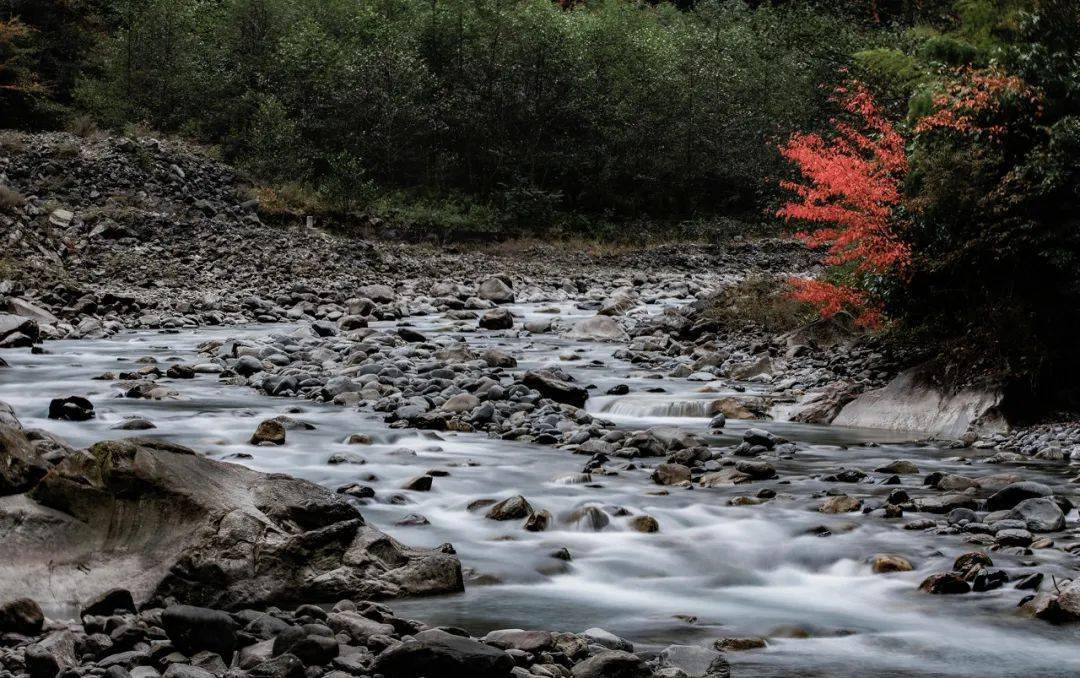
(739, 570)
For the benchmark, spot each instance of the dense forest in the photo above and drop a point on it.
(930, 146)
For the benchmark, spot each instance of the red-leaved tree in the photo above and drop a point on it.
(850, 191)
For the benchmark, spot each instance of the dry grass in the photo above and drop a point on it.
(10, 198)
(288, 200)
(12, 142)
(85, 127)
(760, 300)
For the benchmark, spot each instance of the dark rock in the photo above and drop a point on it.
(1011, 495)
(193, 629)
(945, 583)
(72, 408)
(557, 389)
(612, 664)
(270, 432)
(514, 508)
(113, 601)
(437, 653)
(22, 615)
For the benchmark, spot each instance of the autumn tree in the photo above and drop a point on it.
(850, 192)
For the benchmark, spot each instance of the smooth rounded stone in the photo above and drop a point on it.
(1011, 495)
(193, 629)
(756, 470)
(418, 484)
(358, 439)
(758, 436)
(723, 478)
(900, 467)
(597, 328)
(22, 615)
(269, 432)
(538, 325)
(945, 503)
(356, 626)
(950, 482)
(497, 319)
(437, 653)
(411, 336)
(513, 508)
(966, 561)
(413, 520)
(671, 474)
(718, 422)
(1040, 514)
(945, 583)
(1013, 538)
(338, 458)
(840, 503)
(589, 518)
(136, 424)
(961, 515)
(50, 656)
(113, 601)
(644, 523)
(380, 294)
(733, 644)
(612, 664)
(538, 521)
(462, 402)
(496, 290)
(494, 357)
(72, 408)
(695, 661)
(884, 563)
(598, 636)
(357, 490)
(518, 639)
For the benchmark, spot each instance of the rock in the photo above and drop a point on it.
(310, 648)
(186, 671)
(1041, 514)
(24, 308)
(72, 408)
(51, 656)
(590, 518)
(695, 661)
(12, 326)
(612, 664)
(497, 319)
(207, 533)
(382, 294)
(900, 467)
(965, 562)
(462, 402)
(113, 601)
(598, 636)
(514, 508)
(418, 484)
(538, 521)
(22, 615)
(822, 407)
(283, 666)
(269, 432)
(411, 336)
(496, 358)
(1009, 496)
(1064, 607)
(194, 629)
(618, 303)
(757, 436)
(559, 390)
(517, 639)
(438, 653)
(597, 328)
(739, 644)
(840, 504)
(496, 290)
(884, 563)
(644, 523)
(671, 474)
(945, 583)
(911, 403)
(248, 365)
(21, 464)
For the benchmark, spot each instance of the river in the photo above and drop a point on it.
(713, 570)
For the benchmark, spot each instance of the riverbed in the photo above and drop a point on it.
(713, 570)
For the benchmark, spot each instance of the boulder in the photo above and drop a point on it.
(911, 403)
(168, 522)
(883, 563)
(671, 474)
(514, 508)
(695, 661)
(597, 328)
(497, 319)
(194, 629)
(16, 325)
(435, 652)
(1009, 496)
(559, 390)
(21, 465)
(612, 664)
(1040, 514)
(840, 504)
(269, 432)
(496, 290)
(113, 601)
(72, 408)
(21, 615)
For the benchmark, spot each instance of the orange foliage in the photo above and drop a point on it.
(973, 103)
(851, 189)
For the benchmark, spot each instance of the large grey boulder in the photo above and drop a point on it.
(21, 465)
(496, 290)
(167, 522)
(1040, 514)
(910, 403)
(17, 331)
(551, 386)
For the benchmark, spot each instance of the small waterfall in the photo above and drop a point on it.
(654, 407)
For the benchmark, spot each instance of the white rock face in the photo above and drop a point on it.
(908, 404)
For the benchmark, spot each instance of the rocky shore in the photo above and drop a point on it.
(163, 561)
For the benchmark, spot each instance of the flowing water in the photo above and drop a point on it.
(713, 570)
